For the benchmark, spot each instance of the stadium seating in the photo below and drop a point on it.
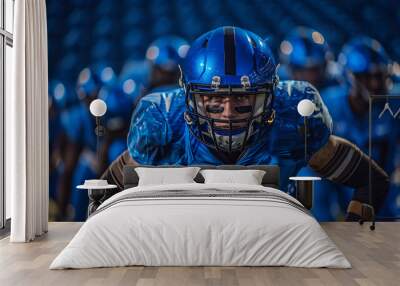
(84, 32)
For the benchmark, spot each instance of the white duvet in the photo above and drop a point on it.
(207, 230)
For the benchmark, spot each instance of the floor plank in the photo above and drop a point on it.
(374, 255)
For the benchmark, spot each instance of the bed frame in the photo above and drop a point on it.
(270, 179)
(131, 179)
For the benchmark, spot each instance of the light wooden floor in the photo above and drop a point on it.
(375, 257)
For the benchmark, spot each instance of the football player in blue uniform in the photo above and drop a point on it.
(231, 109)
(306, 56)
(368, 69)
(116, 121)
(165, 55)
(61, 98)
(159, 70)
(134, 78)
(80, 161)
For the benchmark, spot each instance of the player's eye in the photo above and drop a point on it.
(244, 109)
(242, 98)
(214, 108)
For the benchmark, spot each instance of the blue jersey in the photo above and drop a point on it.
(158, 134)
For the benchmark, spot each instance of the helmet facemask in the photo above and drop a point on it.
(227, 118)
(228, 62)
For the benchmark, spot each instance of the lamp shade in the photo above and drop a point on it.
(305, 107)
(98, 107)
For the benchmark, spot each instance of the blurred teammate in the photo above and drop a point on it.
(80, 160)
(134, 78)
(160, 69)
(306, 56)
(61, 98)
(368, 69)
(116, 123)
(163, 56)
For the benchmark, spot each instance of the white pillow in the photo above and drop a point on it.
(166, 176)
(248, 177)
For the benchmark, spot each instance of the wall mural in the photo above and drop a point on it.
(179, 90)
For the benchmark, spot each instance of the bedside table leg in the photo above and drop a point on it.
(96, 198)
(304, 192)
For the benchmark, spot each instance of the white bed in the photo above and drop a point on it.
(201, 224)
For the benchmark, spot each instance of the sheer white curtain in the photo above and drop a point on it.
(27, 124)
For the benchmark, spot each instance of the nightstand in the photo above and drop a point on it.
(304, 189)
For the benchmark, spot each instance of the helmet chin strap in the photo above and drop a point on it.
(223, 143)
(270, 120)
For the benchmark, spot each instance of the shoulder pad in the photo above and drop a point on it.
(166, 101)
(156, 122)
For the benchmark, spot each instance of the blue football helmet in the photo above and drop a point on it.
(134, 78)
(364, 55)
(228, 62)
(91, 79)
(305, 48)
(167, 52)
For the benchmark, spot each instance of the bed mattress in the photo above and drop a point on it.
(201, 225)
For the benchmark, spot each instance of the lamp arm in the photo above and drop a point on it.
(305, 138)
(99, 130)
